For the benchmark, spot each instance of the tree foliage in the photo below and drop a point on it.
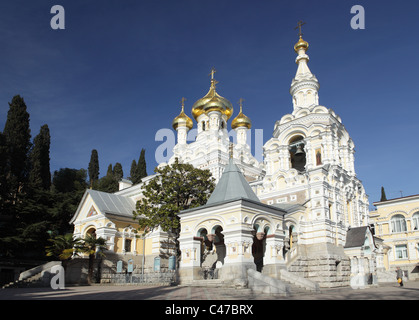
(40, 174)
(110, 182)
(63, 247)
(176, 187)
(93, 167)
(92, 245)
(141, 166)
(17, 134)
(133, 170)
(383, 195)
(138, 170)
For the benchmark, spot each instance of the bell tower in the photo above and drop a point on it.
(309, 162)
(304, 87)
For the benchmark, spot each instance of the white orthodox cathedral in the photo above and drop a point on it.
(301, 212)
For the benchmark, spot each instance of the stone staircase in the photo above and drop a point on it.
(35, 277)
(213, 283)
(295, 289)
(288, 284)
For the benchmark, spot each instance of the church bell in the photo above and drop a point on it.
(299, 150)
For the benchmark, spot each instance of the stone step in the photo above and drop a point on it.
(295, 289)
(204, 283)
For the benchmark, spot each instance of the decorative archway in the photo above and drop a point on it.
(219, 244)
(259, 245)
(212, 250)
(91, 231)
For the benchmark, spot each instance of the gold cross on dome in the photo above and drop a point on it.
(299, 25)
(213, 71)
(182, 101)
(241, 103)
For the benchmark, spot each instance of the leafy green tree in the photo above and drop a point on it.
(40, 175)
(68, 187)
(93, 168)
(176, 187)
(69, 180)
(108, 183)
(31, 220)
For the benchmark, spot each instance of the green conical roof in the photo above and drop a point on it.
(232, 185)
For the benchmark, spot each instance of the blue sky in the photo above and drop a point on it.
(116, 74)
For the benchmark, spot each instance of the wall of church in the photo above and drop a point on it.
(239, 225)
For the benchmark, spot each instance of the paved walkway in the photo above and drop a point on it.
(388, 291)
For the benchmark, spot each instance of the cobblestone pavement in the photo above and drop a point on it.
(388, 291)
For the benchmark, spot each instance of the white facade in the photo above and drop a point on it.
(308, 173)
(308, 163)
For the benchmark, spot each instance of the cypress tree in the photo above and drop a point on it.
(18, 135)
(141, 166)
(93, 167)
(109, 173)
(3, 171)
(4, 186)
(118, 172)
(133, 171)
(383, 195)
(40, 175)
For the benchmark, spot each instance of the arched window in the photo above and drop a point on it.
(415, 221)
(297, 154)
(398, 223)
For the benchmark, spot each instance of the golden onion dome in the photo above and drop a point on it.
(301, 44)
(212, 101)
(241, 121)
(182, 119)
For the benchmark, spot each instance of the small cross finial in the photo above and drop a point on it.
(241, 103)
(182, 101)
(213, 71)
(299, 25)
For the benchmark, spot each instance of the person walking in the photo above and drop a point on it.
(399, 276)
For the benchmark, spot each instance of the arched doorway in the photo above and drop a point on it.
(91, 232)
(259, 245)
(206, 245)
(291, 237)
(218, 242)
(213, 251)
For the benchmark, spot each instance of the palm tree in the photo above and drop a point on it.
(63, 247)
(92, 246)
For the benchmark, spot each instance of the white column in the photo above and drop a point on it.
(191, 252)
(273, 252)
